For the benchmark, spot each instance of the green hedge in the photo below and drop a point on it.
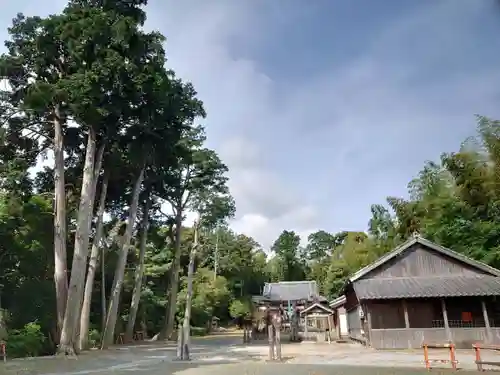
(26, 342)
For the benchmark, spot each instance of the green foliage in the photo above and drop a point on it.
(94, 337)
(210, 296)
(289, 265)
(26, 342)
(240, 309)
(199, 331)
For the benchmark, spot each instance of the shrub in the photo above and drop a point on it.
(198, 331)
(94, 338)
(25, 342)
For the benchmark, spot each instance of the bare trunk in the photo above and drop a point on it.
(95, 180)
(103, 289)
(60, 257)
(184, 337)
(111, 317)
(77, 280)
(168, 327)
(139, 273)
(83, 342)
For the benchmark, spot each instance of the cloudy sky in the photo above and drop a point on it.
(321, 108)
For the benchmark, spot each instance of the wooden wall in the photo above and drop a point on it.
(425, 323)
(420, 261)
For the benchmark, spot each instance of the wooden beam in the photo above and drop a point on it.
(368, 325)
(305, 329)
(445, 319)
(407, 319)
(405, 312)
(489, 334)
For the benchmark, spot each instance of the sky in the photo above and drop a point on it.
(322, 108)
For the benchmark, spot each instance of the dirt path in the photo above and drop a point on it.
(225, 355)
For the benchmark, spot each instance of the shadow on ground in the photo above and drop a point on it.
(228, 356)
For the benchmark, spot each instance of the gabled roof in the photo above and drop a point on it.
(291, 291)
(337, 302)
(430, 245)
(317, 306)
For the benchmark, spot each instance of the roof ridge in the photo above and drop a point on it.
(450, 276)
(429, 244)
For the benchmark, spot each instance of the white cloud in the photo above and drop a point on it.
(317, 151)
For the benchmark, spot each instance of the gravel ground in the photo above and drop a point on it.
(302, 369)
(227, 356)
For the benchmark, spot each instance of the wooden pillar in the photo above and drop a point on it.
(489, 335)
(445, 319)
(337, 327)
(270, 336)
(407, 320)
(277, 341)
(368, 320)
(329, 329)
(306, 336)
(405, 312)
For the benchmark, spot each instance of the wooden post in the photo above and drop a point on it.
(270, 335)
(339, 331)
(407, 319)
(277, 340)
(306, 338)
(329, 328)
(445, 319)
(489, 335)
(369, 326)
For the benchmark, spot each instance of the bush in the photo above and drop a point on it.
(25, 342)
(94, 338)
(240, 309)
(198, 331)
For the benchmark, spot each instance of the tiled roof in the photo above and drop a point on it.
(416, 287)
(291, 291)
(337, 302)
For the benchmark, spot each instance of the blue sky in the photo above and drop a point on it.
(322, 108)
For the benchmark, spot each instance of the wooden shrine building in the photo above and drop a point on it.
(300, 293)
(297, 295)
(420, 292)
(318, 323)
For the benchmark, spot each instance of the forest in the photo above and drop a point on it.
(102, 155)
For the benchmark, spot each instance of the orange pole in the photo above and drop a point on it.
(477, 350)
(426, 357)
(452, 357)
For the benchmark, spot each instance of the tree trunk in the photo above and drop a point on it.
(111, 316)
(77, 280)
(186, 326)
(103, 289)
(139, 272)
(168, 327)
(95, 179)
(83, 341)
(60, 257)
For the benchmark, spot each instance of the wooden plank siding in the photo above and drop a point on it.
(391, 328)
(418, 261)
(414, 337)
(352, 308)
